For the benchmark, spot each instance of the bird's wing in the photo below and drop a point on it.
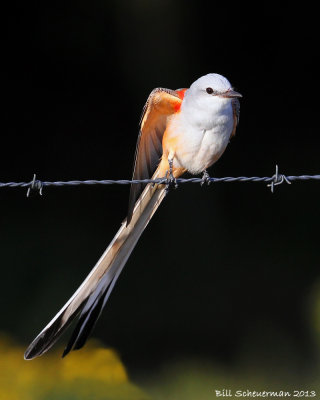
(160, 105)
(236, 114)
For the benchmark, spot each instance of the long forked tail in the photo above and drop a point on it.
(92, 295)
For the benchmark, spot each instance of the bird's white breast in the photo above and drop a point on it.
(202, 135)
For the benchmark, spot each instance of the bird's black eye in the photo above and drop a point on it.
(209, 90)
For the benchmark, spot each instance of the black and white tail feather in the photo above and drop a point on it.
(91, 297)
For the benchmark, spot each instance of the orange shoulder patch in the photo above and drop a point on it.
(180, 93)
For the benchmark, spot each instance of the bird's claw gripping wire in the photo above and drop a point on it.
(278, 179)
(35, 185)
(170, 179)
(205, 178)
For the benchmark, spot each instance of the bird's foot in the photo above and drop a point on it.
(205, 178)
(171, 180)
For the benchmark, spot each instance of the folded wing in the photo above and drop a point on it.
(160, 105)
(236, 114)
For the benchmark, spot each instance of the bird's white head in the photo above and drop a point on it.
(212, 87)
(208, 95)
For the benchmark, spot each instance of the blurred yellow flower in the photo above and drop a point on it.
(93, 373)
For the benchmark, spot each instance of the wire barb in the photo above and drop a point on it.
(171, 181)
(278, 180)
(205, 178)
(35, 185)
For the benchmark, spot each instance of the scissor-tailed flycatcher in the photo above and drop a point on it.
(181, 130)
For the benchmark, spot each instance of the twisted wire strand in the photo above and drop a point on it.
(290, 178)
(276, 179)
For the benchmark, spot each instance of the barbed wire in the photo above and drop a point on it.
(277, 179)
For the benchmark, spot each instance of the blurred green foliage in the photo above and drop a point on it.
(198, 379)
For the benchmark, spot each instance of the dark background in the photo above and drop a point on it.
(223, 272)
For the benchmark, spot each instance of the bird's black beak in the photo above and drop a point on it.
(230, 94)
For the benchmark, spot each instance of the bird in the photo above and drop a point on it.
(183, 130)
